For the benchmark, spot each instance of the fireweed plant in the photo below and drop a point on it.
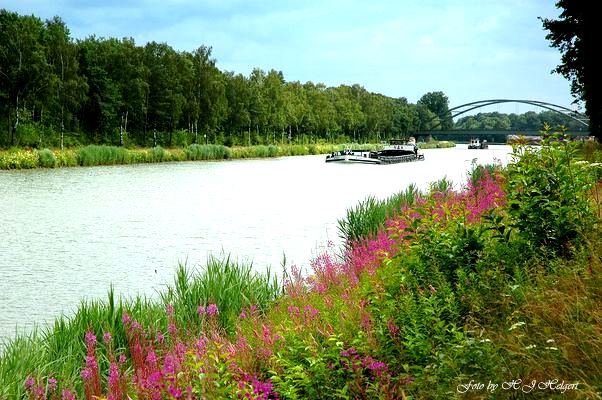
(441, 293)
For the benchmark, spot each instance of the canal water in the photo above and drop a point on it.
(68, 234)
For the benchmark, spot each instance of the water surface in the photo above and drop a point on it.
(67, 234)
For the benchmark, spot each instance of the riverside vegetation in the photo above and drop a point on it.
(492, 290)
(91, 155)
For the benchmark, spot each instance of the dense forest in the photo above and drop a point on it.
(56, 91)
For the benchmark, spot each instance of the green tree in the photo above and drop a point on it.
(25, 76)
(296, 107)
(576, 35)
(70, 88)
(438, 104)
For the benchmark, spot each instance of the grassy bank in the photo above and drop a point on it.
(436, 144)
(112, 155)
(491, 290)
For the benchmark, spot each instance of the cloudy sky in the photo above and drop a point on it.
(469, 49)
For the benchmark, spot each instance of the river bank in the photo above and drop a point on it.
(472, 289)
(92, 155)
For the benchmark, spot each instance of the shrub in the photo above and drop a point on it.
(548, 194)
(19, 159)
(47, 158)
(157, 154)
(207, 152)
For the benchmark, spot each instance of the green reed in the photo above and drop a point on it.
(229, 283)
(366, 218)
(207, 152)
(102, 155)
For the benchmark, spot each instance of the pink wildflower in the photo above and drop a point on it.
(393, 328)
(52, 383)
(151, 357)
(293, 311)
(310, 312)
(29, 382)
(170, 310)
(66, 394)
(174, 392)
(90, 338)
(85, 374)
(106, 337)
(201, 310)
(136, 326)
(212, 310)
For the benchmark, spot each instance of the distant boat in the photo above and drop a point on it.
(393, 152)
(349, 155)
(476, 143)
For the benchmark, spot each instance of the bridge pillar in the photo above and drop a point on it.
(423, 137)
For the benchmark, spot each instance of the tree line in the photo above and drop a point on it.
(56, 91)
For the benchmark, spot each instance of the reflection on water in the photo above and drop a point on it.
(67, 234)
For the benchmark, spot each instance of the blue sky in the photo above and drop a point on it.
(469, 49)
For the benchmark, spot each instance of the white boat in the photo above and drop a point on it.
(393, 152)
(353, 156)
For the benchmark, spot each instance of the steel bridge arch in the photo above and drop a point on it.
(459, 110)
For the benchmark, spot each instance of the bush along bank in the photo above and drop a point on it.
(92, 155)
(449, 295)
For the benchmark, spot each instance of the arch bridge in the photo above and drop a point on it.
(499, 135)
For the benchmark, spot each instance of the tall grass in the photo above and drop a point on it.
(102, 155)
(369, 216)
(230, 284)
(47, 159)
(59, 348)
(207, 152)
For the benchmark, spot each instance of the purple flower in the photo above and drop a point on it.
(293, 311)
(91, 362)
(393, 328)
(174, 392)
(253, 308)
(90, 338)
(86, 374)
(67, 395)
(125, 318)
(243, 314)
(201, 310)
(38, 392)
(154, 378)
(106, 337)
(171, 328)
(113, 379)
(29, 382)
(160, 337)
(151, 357)
(52, 384)
(212, 310)
(170, 310)
(122, 359)
(310, 311)
(136, 326)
